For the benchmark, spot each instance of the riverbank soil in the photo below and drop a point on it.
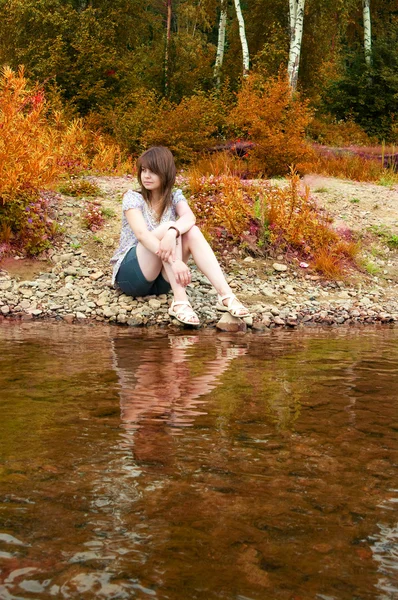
(73, 281)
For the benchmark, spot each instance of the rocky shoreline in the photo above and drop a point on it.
(74, 283)
(75, 290)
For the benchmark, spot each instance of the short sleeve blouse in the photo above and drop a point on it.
(128, 240)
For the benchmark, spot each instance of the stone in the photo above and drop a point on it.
(291, 322)
(155, 304)
(290, 290)
(63, 258)
(109, 312)
(266, 321)
(101, 301)
(63, 292)
(97, 275)
(5, 310)
(231, 324)
(5, 285)
(135, 321)
(259, 326)
(279, 267)
(36, 312)
(279, 321)
(68, 318)
(268, 292)
(81, 316)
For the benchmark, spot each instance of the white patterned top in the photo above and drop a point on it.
(128, 240)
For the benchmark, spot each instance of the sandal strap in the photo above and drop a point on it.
(230, 298)
(184, 305)
(185, 311)
(181, 302)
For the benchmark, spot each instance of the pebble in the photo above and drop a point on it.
(279, 267)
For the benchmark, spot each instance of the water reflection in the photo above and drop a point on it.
(136, 465)
(160, 385)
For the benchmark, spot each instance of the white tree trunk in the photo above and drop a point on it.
(221, 42)
(296, 34)
(292, 15)
(243, 40)
(167, 49)
(367, 32)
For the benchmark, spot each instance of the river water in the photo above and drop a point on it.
(198, 466)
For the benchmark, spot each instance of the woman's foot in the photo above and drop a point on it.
(230, 303)
(183, 312)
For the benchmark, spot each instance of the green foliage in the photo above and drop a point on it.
(369, 95)
(106, 61)
(384, 233)
(371, 268)
(79, 187)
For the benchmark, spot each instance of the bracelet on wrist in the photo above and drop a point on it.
(177, 230)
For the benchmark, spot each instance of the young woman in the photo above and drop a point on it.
(157, 238)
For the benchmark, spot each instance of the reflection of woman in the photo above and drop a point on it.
(160, 389)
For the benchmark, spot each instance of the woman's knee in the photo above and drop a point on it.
(193, 234)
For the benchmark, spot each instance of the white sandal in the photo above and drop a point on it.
(233, 310)
(183, 313)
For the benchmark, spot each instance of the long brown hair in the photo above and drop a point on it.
(159, 160)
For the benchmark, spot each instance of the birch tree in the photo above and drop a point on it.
(243, 40)
(167, 49)
(221, 42)
(296, 12)
(367, 32)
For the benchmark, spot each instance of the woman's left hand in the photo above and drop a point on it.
(182, 272)
(167, 246)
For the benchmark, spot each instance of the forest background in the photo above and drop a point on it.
(104, 80)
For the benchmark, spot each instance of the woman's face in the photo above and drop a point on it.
(150, 180)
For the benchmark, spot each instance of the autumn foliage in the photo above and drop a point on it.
(267, 114)
(263, 217)
(37, 146)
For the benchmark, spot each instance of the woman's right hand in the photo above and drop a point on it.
(181, 272)
(167, 246)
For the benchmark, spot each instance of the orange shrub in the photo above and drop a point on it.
(296, 223)
(269, 115)
(348, 165)
(263, 216)
(186, 128)
(222, 206)
(36, 148)
(27, 158)
(220, 163)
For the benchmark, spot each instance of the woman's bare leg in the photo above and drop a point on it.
(151, 265)
(194, 242)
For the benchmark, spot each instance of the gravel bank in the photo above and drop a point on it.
(74, 284)
(76, 290)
